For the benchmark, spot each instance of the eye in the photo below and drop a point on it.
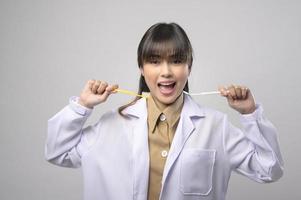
(177, 61)
(154, 61)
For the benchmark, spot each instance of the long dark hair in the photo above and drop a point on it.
(162, 39)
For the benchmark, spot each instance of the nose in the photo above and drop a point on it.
(166, 70)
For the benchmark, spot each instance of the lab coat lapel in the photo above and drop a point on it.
(138, 115)
(185, 127)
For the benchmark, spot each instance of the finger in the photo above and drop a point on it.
(102, 87)
(89, 84)
(230, 98)
(105, 95)
(238, 92)
(95, 86)
(111, 88)
(232, 92)
(244, 92)
(223, 91)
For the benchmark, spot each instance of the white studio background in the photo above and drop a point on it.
(49, 49)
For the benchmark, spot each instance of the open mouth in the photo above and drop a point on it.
(167, 88)
(167, 85)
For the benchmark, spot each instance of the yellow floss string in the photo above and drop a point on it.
(144, 96)
(130, 93)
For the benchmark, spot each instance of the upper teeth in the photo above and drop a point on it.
(165, 83)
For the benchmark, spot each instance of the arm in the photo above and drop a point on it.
(66, 139)
(255, 152)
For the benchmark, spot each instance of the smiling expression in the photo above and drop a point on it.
(165, 78)
(165, 61)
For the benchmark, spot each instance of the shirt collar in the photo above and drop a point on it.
(172, 112)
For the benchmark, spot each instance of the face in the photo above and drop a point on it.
(165, 79)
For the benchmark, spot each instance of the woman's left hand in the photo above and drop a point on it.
(239, 98)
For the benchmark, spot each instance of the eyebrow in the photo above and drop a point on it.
(177, 56)
(170, 57)
(154, 56)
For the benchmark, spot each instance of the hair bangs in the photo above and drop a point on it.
(170, 49)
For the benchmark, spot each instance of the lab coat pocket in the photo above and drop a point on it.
(196, 171)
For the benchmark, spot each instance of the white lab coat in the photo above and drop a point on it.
(114, 152)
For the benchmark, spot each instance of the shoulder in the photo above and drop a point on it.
(202, 110)
(110, 116)
(214, 116)
(114, 118)
(213, 112)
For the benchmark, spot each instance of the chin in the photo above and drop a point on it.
(167, 99)
(167, 102)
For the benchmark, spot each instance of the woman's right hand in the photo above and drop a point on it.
(95, 92)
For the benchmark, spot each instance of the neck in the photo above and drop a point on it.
(161, 105)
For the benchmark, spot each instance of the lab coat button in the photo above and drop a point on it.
(162, 117)
(164, 153)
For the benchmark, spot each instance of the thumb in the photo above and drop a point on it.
(105, 95)
(230, 99)
(223, 91)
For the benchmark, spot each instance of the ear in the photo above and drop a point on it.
(141, 70)
(189, 70)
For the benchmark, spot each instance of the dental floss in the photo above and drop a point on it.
(202, 93)
(130, 93)
(144, 96)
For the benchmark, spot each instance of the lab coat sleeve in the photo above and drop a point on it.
(66, 139)
(254, 150)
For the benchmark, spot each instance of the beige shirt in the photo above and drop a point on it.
(161, 129)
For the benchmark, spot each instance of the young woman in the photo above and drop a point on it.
(166, 146)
